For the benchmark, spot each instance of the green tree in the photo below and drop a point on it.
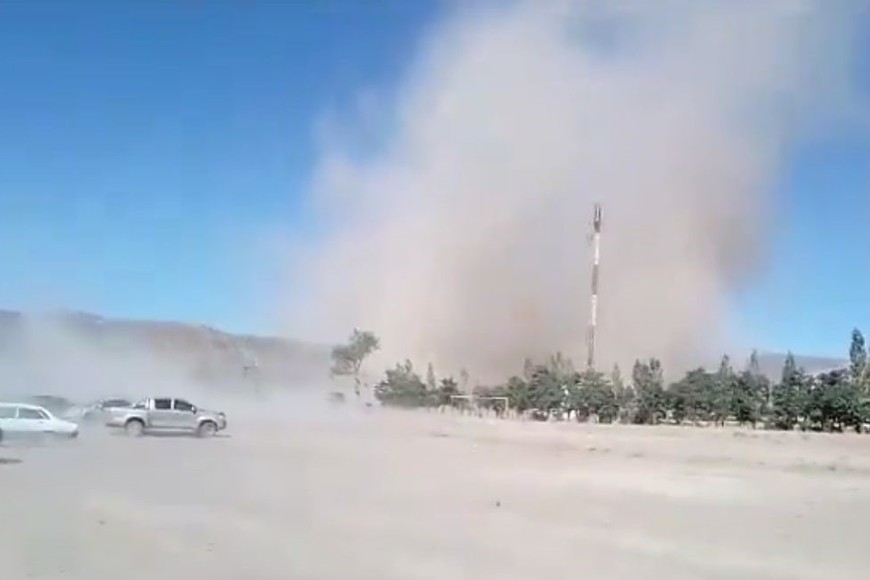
(765, 393)
(625, 396)
(858, 361)
(519, 394)
(402, 387)
(647, 379)
(832, 401)
(347, 359)
(788, 405)
(590, 393)
(689, 398)
(445, 392)
(542, 386)
(547, 389)
(721, 392)
(836, 402)
(749, 399)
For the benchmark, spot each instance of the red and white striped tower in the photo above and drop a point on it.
(596, 259)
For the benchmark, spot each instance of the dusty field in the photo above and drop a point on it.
(408, 496)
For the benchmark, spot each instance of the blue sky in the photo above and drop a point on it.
(143, 145)
(818, 285)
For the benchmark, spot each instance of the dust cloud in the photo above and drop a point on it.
(46, 357)
(462, 239)
(49, 354)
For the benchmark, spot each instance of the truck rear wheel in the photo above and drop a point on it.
(134, 428)
(206, 429)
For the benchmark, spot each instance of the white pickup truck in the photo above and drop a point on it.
(166, 414)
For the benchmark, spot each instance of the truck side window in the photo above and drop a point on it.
(182, 405)
(163, 404)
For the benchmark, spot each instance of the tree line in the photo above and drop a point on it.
(835, 400)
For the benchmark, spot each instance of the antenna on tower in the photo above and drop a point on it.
(593, 309)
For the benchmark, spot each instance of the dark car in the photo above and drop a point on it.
(59, 406)
(99, 410)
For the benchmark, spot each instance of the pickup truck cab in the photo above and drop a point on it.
(166, 414)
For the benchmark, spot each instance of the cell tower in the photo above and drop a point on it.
(593, 309)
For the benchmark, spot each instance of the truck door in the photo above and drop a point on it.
(183, 414)
(161, 415)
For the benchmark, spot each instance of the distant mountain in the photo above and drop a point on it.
(771, 363)
(82, 344)
(49, 352)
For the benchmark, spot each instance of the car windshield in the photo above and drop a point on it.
(143, 404)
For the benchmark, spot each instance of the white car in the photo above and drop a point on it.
(23, 421)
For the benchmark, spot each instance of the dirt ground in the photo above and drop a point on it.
(391, 495)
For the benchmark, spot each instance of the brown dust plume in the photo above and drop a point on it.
(463, 238)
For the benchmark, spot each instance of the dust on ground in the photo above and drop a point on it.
(392, 495)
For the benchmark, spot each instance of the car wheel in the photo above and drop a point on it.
(134, 428)
(206, 429)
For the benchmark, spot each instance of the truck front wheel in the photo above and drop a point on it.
(206, 429)
(134, 428)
